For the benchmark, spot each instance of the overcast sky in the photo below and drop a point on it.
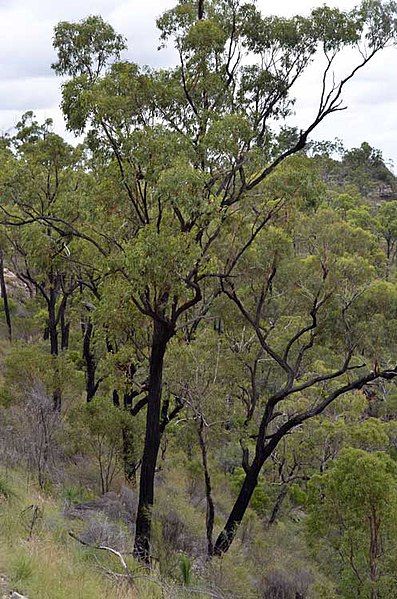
(27, 82)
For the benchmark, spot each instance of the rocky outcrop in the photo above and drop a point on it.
(16, 289)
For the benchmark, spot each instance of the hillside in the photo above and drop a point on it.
(64, 474)
(198, 319)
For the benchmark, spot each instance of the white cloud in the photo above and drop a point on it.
(23, 94)
(139, 27)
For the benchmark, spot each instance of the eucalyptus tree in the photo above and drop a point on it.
(311, 289)
(181, 147)
(39, 175)
(352, 521)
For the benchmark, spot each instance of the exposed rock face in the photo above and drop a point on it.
(16, 289)
(362, 168)
(382, 193)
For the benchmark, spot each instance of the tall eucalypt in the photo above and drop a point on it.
(183, 146)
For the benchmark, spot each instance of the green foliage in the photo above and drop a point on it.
(86, 46)
(186, 569)
(298, 495)
(28, 365)
(352, 507)
(95, 428)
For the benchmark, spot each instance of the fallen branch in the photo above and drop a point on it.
(103, 548)
(132, 577)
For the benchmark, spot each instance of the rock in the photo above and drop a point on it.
(6, 593)
(15, 287)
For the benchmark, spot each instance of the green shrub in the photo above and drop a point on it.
(186, 569)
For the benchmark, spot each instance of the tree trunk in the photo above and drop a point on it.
(3, 290)
(52, 324)
(65, 327)
(200, 9)
(227, 535)
(54, 348)
(90, 366)
(210, 515)
(162, 333)
(116, 398)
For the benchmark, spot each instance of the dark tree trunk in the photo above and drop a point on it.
(210, 515)
(227, 535)
(3, 290)
(52, 324)
(54, 347)
(65, 327)
(91, 385)
(116, 398)
(200, 9)
(162, 333)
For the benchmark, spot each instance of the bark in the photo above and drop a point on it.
(54, 348)
(200, 9)
(57, 394)
(91, 385)
(162, 333)
(116, 398)
(52, 323)
(65, 326)
(3, 290)
(210, 515)
(241, 504)
(266, 444)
